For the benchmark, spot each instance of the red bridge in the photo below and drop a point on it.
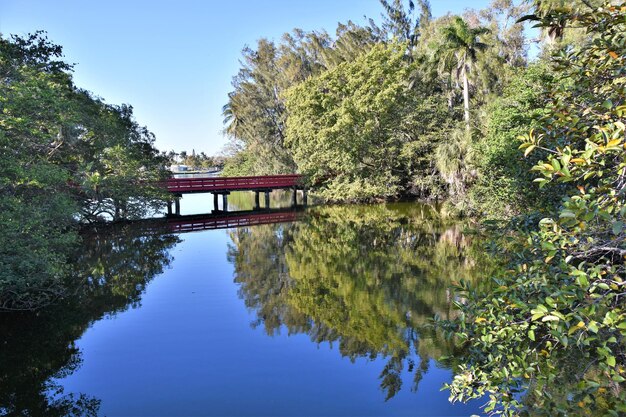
(225, 185)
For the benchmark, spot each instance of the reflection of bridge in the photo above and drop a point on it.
(225, 185)
(197, 222)
(218, 220)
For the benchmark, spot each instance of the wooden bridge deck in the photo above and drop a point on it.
(227, 184)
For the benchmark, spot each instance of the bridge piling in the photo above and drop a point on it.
(225, 201)
(177, 206)
(267, 200)
(257, 205)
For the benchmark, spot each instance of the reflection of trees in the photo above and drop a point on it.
(244, 200)
(560, 395)
(261, 271)
(113, 268)
(368, 278)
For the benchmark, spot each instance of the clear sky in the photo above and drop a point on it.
(173, 60)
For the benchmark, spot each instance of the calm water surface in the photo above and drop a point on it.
(324, 316)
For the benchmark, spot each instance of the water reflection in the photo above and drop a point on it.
(366, 278)
(110, 274)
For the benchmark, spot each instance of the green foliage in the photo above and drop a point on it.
(313, 103)
(404, 25)
(255, 113)
(504, 187)
(506, 37)
(339, 125)
(351, 40)
(557, 21)
(560, 306)
(64, 156)
(352, 129)
(453, 158)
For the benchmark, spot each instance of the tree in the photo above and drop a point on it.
(339, 125)
(351, 41)
(255, 112)
(404, 25)
(504, 185)
(506, 35)
(556, 20)
(63, 156)
(458, 54)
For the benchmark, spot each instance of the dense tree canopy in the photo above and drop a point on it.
(349, 129)
(64, 156)
(385, 97)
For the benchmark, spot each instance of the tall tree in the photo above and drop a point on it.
(255, 112)
(404, 24)
(458, 54)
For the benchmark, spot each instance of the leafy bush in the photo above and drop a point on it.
(554, 324)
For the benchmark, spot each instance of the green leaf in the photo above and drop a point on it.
(618, 226)
(537, 316)
(610, 360)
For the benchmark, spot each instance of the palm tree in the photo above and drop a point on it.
(459, 53)
(231, 121)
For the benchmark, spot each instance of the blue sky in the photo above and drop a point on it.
(173, 60)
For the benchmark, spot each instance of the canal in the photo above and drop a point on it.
(327, 315)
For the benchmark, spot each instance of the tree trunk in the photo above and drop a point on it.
(466, 99)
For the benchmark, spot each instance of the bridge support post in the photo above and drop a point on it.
(256, 200)
(294, 197)
(169, 207)
(304, 199)
(215, 202)
(177, 206)
(225, 202)
(267, 200)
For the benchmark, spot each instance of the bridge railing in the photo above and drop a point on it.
(191, 185)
